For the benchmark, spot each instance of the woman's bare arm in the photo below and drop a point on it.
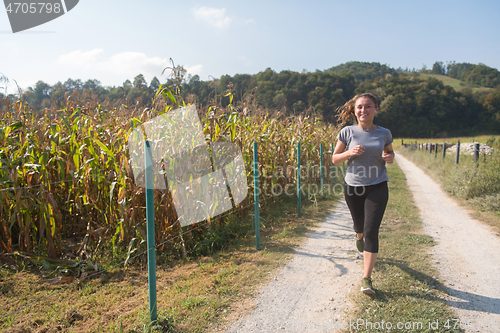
(340, 154)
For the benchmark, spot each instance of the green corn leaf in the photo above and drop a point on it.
(230, 97)
(104, 148)
(135, 122)
(43, 159)
(66, 122)
(90, 147)
(172, 98)
(76, 112)
(15, 126)
(76, 159)
(5, 132)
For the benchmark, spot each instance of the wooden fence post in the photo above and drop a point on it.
(476, 159)
(444, 148)
(476, 152)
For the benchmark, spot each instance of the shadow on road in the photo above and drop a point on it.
(461, 299)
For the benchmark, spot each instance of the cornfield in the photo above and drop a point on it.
(65, 173)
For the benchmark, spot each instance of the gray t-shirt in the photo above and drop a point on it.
(369, 167)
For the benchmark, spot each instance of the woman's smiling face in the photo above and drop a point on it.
(365, 110)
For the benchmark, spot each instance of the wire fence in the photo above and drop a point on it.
(474, 149)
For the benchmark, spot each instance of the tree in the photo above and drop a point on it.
(154, 85)
(93, 89)
(140, 82)
(476, 75)
(92, 85)
(41, 92)
(363, 71)
(492, 105)
(115, 94)
(58, 93)
(438, 68)
(70, 85)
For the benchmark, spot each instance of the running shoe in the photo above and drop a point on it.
(360, 244)
(366, 286)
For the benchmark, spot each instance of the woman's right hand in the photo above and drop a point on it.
(357, 150)
(340, 154)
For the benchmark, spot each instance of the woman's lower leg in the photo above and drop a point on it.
(369, 263)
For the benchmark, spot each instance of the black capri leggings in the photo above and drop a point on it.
(367, 205)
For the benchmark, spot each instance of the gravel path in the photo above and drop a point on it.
(467, 255)
(309, 293)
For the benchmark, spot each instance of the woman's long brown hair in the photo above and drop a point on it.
(346, 112)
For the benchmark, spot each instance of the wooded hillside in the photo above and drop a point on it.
(410, 105)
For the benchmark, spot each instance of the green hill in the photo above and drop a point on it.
(363, 71)
(458, 85)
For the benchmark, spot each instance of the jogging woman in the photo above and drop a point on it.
(367, 148)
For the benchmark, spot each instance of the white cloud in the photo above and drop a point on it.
(137, 62)
(212, 16)
(110, 70)
(81, 58)
(194, 70)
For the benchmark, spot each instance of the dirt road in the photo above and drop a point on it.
(467, 254)
(309, 294)
(310, 291)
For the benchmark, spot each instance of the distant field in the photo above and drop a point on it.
(454, 83)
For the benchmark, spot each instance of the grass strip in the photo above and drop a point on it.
(409, 295)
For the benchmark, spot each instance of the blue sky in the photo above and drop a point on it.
(114, 40)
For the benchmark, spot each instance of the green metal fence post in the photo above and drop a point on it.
(256, 194)
(298, 182)
(150, 220)
(321, 166)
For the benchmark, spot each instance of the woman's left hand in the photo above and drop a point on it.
(388, 157)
